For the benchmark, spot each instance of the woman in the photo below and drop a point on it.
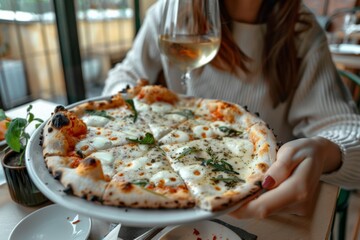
(273, 58)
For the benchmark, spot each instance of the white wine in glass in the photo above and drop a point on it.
(190, 34)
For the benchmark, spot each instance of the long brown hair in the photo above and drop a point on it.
(280, 64)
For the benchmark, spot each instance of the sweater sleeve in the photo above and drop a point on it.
(143, 59)
(322, 106)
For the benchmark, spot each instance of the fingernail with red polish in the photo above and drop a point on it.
(268, 182)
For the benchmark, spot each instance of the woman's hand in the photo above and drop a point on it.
(293, 179)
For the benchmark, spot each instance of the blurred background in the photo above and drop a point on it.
(38, 61)
(61, 50)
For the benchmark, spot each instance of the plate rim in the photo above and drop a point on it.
(45, 208)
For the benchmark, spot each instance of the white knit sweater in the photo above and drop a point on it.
(321, 105)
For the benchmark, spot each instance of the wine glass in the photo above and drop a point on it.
(190, 34)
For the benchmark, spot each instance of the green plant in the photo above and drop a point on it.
(16, 136)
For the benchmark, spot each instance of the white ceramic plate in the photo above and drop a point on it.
(52, 222)
(345, 49)
(197, 230)
(53, 189)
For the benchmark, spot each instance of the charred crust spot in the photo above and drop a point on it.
(90, 162)
(127, 187)
(80, 153)
(57, 175)
(59, 120)
(68, 190)
(257, 114)
(50, 129)
(217, 197)
(59, 108)
(246, 108)
(262, 167)
(94, 198)
(258, 183)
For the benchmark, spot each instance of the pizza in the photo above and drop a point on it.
(152, 148)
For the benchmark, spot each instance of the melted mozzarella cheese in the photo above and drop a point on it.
(192, 172)
(239, 147)
(169, 178)
(95, 121)
(161, 107)
(158, 130)
(89, 145)
(140, 106)
(137, 164)
(100, 143)
(106, 158)
(175, 117)
(203, 131)
(175, 136)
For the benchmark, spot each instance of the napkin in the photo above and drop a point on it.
(241, 232)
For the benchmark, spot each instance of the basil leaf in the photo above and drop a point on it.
(185, 113)
(230, 132)
(148, 139)
(2, 115)
(14, 134)
(101, 113)
(132, 105)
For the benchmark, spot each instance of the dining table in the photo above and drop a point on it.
(315, 226)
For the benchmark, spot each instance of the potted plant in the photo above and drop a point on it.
(22, 189)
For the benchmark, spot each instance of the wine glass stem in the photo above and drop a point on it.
(185, 80)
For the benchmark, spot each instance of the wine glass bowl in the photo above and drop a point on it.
(190, 34)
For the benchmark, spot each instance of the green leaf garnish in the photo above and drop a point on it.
(132, 105)
(230, 132)
(220, 165)
(101, 113)
(216, 164)
(188, 151)
(141, 182)
(229, 181)
(185, 113)
(148, 139)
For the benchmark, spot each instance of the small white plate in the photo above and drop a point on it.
(344, 48)
(197, 230)
(52, 222)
